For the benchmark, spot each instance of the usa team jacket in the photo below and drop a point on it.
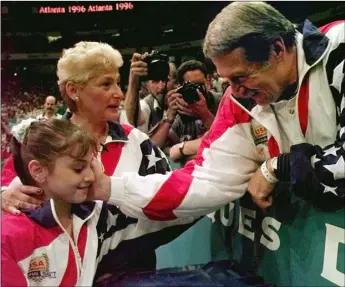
(36, 251)
(310, 126)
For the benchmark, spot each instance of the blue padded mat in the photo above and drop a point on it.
(221, 273)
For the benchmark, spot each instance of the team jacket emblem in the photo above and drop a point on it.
(39, 269)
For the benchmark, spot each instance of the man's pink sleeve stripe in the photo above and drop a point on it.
(174, 190)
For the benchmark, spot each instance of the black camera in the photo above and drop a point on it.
(189, 91)
(157, 66)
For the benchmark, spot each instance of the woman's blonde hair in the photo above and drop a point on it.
(84, 61)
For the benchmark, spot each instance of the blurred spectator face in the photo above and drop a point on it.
(4, 116)
(215, 75)
(50, 105)
(157, 89)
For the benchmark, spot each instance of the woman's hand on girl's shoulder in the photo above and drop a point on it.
(21, 197)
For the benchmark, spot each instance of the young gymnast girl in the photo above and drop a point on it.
(67, 241)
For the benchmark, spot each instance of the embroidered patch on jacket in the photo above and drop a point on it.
(39, 269)
(259, 133)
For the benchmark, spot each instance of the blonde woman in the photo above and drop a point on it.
(88, 75)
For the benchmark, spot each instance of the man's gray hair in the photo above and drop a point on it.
(247, 24)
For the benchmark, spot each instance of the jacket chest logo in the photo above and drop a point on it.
(259, 133)
(39, 269)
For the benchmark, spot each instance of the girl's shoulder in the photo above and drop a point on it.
(21, 229)
(17, 236)
(15, 225)
(20, 235)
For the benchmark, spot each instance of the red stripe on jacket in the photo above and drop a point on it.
(115, 148)
(177, 185)
(8, 173)
(324, 29)
(70, 277)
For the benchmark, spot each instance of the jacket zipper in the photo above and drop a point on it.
(74, 247)
(75, 252)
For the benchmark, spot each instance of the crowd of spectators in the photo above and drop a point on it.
(18, 104)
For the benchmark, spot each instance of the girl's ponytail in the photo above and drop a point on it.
(19, 166)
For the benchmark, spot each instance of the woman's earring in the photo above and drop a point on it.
(76, 98)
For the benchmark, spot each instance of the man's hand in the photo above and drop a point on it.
(138, 69)
(182, 107)
(260, 189)
(21, 197)
(175, 154)
(198, 109)
(100, 188)
(173, 99)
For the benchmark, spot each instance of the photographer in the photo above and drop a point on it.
(194, 115)
(160, 75)
(189, 113)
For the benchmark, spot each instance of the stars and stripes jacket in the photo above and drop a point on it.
(310, 126)
(36, 250)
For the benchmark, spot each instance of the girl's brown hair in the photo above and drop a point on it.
(47, 140)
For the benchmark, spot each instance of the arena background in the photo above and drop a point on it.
(33, 39)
